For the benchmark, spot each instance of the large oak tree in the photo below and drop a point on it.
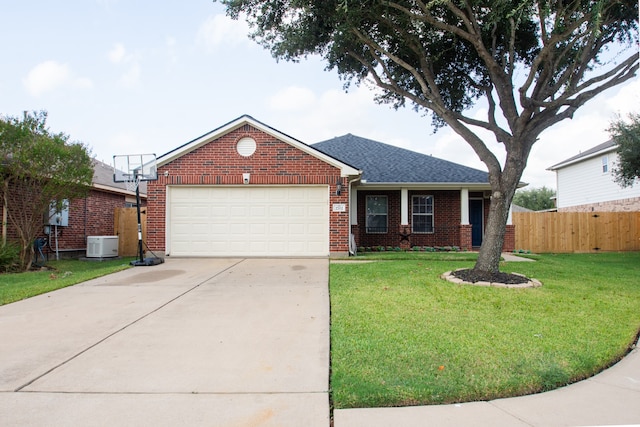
(532, 63)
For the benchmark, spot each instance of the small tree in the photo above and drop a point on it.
(44, 168)
(532, 62)
(627, 137)
(536, 199)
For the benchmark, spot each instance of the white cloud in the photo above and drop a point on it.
(117, 54)
(220, 29)
(51, 75)
(120, 56)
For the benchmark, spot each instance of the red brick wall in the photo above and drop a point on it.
(509, 244)
(90, 216)
(446, 211)
(218, 163)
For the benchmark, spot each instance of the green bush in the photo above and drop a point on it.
(9, 258)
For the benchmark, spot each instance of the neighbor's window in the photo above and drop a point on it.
(422, 214)
(377, 214)
(605, 164)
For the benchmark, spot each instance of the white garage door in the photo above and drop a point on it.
(248, 221)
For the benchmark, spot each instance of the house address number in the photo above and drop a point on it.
(339, 207)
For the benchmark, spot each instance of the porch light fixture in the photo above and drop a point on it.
(339, 187)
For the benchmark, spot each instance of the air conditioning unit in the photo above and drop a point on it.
(102, 246)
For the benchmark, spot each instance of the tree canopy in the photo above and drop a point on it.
(532, 63)
(43, 165)
(626, 135)
(536, 199)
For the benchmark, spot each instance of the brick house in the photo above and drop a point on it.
(92, 215)
(246, 189)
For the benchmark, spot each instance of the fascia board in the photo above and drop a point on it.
(115, 190)
(474, 186)
(422, 185)
(581, 159)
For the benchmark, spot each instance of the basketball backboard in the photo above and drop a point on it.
(134, 167)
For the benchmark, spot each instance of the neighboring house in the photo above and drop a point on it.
(246, 189)
(92, 215)
(585, 183)
(516, 208)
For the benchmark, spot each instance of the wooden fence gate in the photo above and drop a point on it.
(126, 228)
(563, 232)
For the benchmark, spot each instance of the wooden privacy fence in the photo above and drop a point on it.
(126, 228)
(577, 231)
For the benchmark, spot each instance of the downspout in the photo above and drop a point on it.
(352, 241)
(5, 208)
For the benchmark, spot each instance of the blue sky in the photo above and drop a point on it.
(129, 77)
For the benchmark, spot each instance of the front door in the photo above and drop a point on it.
(476, 218)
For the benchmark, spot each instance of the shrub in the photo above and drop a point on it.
(9, 258)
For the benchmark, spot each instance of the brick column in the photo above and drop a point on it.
(465, 237)
(404, 230)
(509, 244)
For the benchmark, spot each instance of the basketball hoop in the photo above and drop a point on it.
(130, 169)
(132, 183)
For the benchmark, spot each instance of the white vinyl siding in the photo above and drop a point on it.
(585, 183)
(248, 221)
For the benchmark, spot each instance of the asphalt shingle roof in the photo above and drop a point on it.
(385, 163)
(103, 175)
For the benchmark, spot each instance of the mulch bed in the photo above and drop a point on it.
(473, 276)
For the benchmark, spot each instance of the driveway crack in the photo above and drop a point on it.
(64, 362)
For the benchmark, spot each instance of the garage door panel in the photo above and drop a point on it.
(248, 221)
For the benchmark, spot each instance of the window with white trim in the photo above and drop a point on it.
(377, 214)
(422, 214)
(605, 164)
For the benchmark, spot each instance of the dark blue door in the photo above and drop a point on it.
(476, 218)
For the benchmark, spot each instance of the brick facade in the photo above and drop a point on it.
(446, 219)
(447, 228)
(622, 205)
(92, 215)
(274, 163)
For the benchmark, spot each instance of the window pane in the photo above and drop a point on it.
(377, 204)
(422, 214)
(376, 214)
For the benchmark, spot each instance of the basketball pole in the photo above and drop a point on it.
(139, 220)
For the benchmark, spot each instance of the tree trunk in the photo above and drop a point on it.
(503, 188)
(493, 240)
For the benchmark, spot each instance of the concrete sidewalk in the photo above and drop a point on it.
(220, 342)
(609, 398)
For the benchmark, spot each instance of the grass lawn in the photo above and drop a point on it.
(17, 286)
(400, 335)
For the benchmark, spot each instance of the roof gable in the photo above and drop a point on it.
(383, 163)
(599, 149)
(346, 170)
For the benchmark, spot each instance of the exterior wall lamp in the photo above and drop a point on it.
(339, 187)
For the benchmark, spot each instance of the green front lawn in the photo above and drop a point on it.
(402, 336)
(17, 286)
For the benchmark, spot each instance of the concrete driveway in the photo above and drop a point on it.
(211, 342)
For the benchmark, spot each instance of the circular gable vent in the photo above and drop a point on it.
(246, 146)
